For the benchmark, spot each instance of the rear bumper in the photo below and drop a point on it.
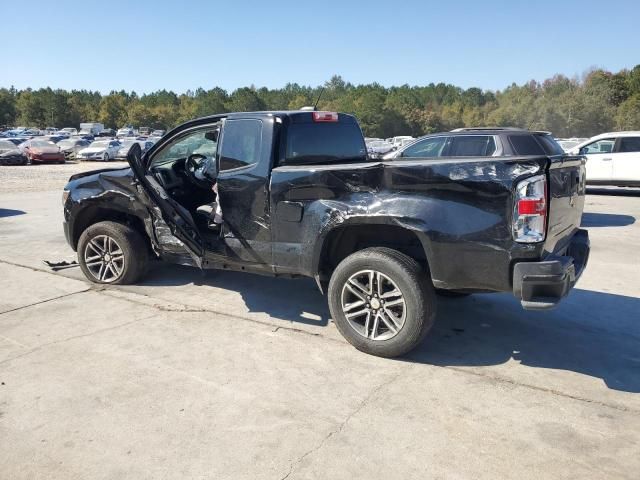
(541, 285)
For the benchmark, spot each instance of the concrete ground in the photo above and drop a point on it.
(238, 376)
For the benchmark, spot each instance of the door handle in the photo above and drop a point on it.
(607, 159)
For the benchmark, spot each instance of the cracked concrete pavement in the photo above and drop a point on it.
(224, 376)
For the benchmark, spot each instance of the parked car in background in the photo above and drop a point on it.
(127, 143)
(71, 146)
(42, 151)
(479, 142)
(69, 131)
(101, 150)
(567, 145)
(157, 133)
(89, 138)
(107, 132)
(379, 148)
(401, 140)
(53, 138)
(32, 132)
(612, 158)
(17, 140)
(144, 131)
(125, 132)
(10, 154)
(125, 146)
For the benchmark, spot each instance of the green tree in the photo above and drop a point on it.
(245, 100)
(628, 117)
(113, 110)
(7, 106)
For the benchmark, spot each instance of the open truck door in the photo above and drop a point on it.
(157, 200)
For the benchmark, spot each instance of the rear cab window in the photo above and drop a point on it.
(308, 142)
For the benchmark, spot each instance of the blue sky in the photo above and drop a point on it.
(149, 45)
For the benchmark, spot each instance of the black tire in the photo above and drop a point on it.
(106, 157)
(412, 281)
(131, 242)
(451, 293)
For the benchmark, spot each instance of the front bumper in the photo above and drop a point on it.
(541, 285)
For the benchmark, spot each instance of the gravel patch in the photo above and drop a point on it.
(40, 178)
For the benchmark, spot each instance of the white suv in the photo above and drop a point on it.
(612, 158)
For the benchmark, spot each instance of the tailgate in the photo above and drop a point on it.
(566, 200)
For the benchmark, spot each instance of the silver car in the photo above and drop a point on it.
(72, 146)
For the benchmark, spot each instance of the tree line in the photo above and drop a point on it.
(599, 101)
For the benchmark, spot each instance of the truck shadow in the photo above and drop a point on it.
(7, 212)
(591, 333)
(291, 300)
(590, 220)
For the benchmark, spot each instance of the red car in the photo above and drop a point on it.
(41, 151)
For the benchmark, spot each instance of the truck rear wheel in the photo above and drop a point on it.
(381, 301)
(112, 253)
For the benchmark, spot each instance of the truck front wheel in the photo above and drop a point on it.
(382, 301)
(114, 253)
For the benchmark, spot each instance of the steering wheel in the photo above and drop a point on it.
(193, 167)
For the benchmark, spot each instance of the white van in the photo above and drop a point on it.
(91, 128)
(612, 158)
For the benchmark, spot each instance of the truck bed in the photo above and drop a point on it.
(460, 210)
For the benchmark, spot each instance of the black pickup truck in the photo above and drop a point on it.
(455, 213)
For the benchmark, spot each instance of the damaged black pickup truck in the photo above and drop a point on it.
(455, 213)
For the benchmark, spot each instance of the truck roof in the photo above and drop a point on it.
(268, 113)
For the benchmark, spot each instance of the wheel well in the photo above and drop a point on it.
(92, 215)
(343, 241)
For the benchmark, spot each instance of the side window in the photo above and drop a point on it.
(629, 144)
(241, 142)
(188, 144)
(472, 146)
(429, 147)
(525, 145)
(601, 146)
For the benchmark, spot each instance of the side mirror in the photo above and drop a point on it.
(583, 151)
(135, 154)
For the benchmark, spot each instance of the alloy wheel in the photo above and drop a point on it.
(373, 305)
(104, 258)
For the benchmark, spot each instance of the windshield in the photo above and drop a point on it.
(103, 144)
(5, 145)
(66, 143)
(324, 142)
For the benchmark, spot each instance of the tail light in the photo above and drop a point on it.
(530, 210)
(325, 117)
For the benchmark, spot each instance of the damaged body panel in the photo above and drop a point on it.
(114, 194)
(458, 210)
